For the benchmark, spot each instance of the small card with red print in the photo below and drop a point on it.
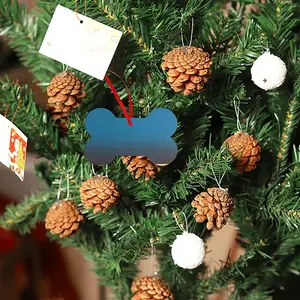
(13, 147)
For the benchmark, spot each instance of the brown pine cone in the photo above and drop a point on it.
(215, 206)
(188, 69)
(65, 93)
(151, 289)
(245, 150)
(63, 218)
(140, 165)
(99, 193)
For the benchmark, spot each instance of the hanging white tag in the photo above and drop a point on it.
(81, 43)
(13, 147)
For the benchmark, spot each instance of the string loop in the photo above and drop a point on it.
(152, 256)
(68, 187)
(237, 113)
(6, 111)
(175, 214)
(218, 182)
(93, 170)
(127, 115)
(59, 188)
(192, 32)
(85, 6)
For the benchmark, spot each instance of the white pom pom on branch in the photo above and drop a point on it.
(268, 71)
(188, 250)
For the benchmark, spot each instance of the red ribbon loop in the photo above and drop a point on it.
(127, 115)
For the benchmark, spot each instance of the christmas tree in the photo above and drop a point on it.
(236, 136)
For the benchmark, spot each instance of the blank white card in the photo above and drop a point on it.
(81, 43)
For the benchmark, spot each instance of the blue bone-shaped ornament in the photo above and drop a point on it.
(150, 136)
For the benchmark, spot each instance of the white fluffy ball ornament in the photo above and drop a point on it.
(268, 71)
(188, 251)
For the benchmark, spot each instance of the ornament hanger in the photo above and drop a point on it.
(93, 170)
(105, 172)
(218, 182)
(95, 174)
(65, 68)
(237, 113)
(127, 115)
(68, 186)
(192, 32)
(85, 5)
(186, 229)
(153, 273)
(59, 188)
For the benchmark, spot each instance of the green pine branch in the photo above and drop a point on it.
(242, 53)
(120, 13)
(294, 168)
(277, 22)
(201, 167)
(24, 216)
(25, 32)
(118, 246)
(22, 110)
(78, 169)
(291, 123)
(113, 270)
(284, 198)
(223, 277)
(284, 252)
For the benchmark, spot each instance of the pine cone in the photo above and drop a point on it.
(63, 218)
(188, 69)
(99, 193)
(245, 150)
(65, 92)
(140, 165)
(151, 289)
(215, 206)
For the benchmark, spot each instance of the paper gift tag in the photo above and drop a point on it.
(84, 44)
(13, 145)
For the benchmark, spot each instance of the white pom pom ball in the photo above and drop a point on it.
(188, 251)
(268, 71)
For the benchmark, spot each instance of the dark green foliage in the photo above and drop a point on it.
(21, 109)
(267, 200)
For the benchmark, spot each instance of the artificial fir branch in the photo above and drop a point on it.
(114, 253)
(201, 167)
(24, 33)
(290, 188)
(227, 274)
(276, 21)
(281, 200)
(19, 103)
(294, 172)
(291, 119)
(286, 184)
(24, 216)
(125, 27)
(243, 51)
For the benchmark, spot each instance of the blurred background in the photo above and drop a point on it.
(32, 267)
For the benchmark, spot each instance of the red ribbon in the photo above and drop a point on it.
(127, 115)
